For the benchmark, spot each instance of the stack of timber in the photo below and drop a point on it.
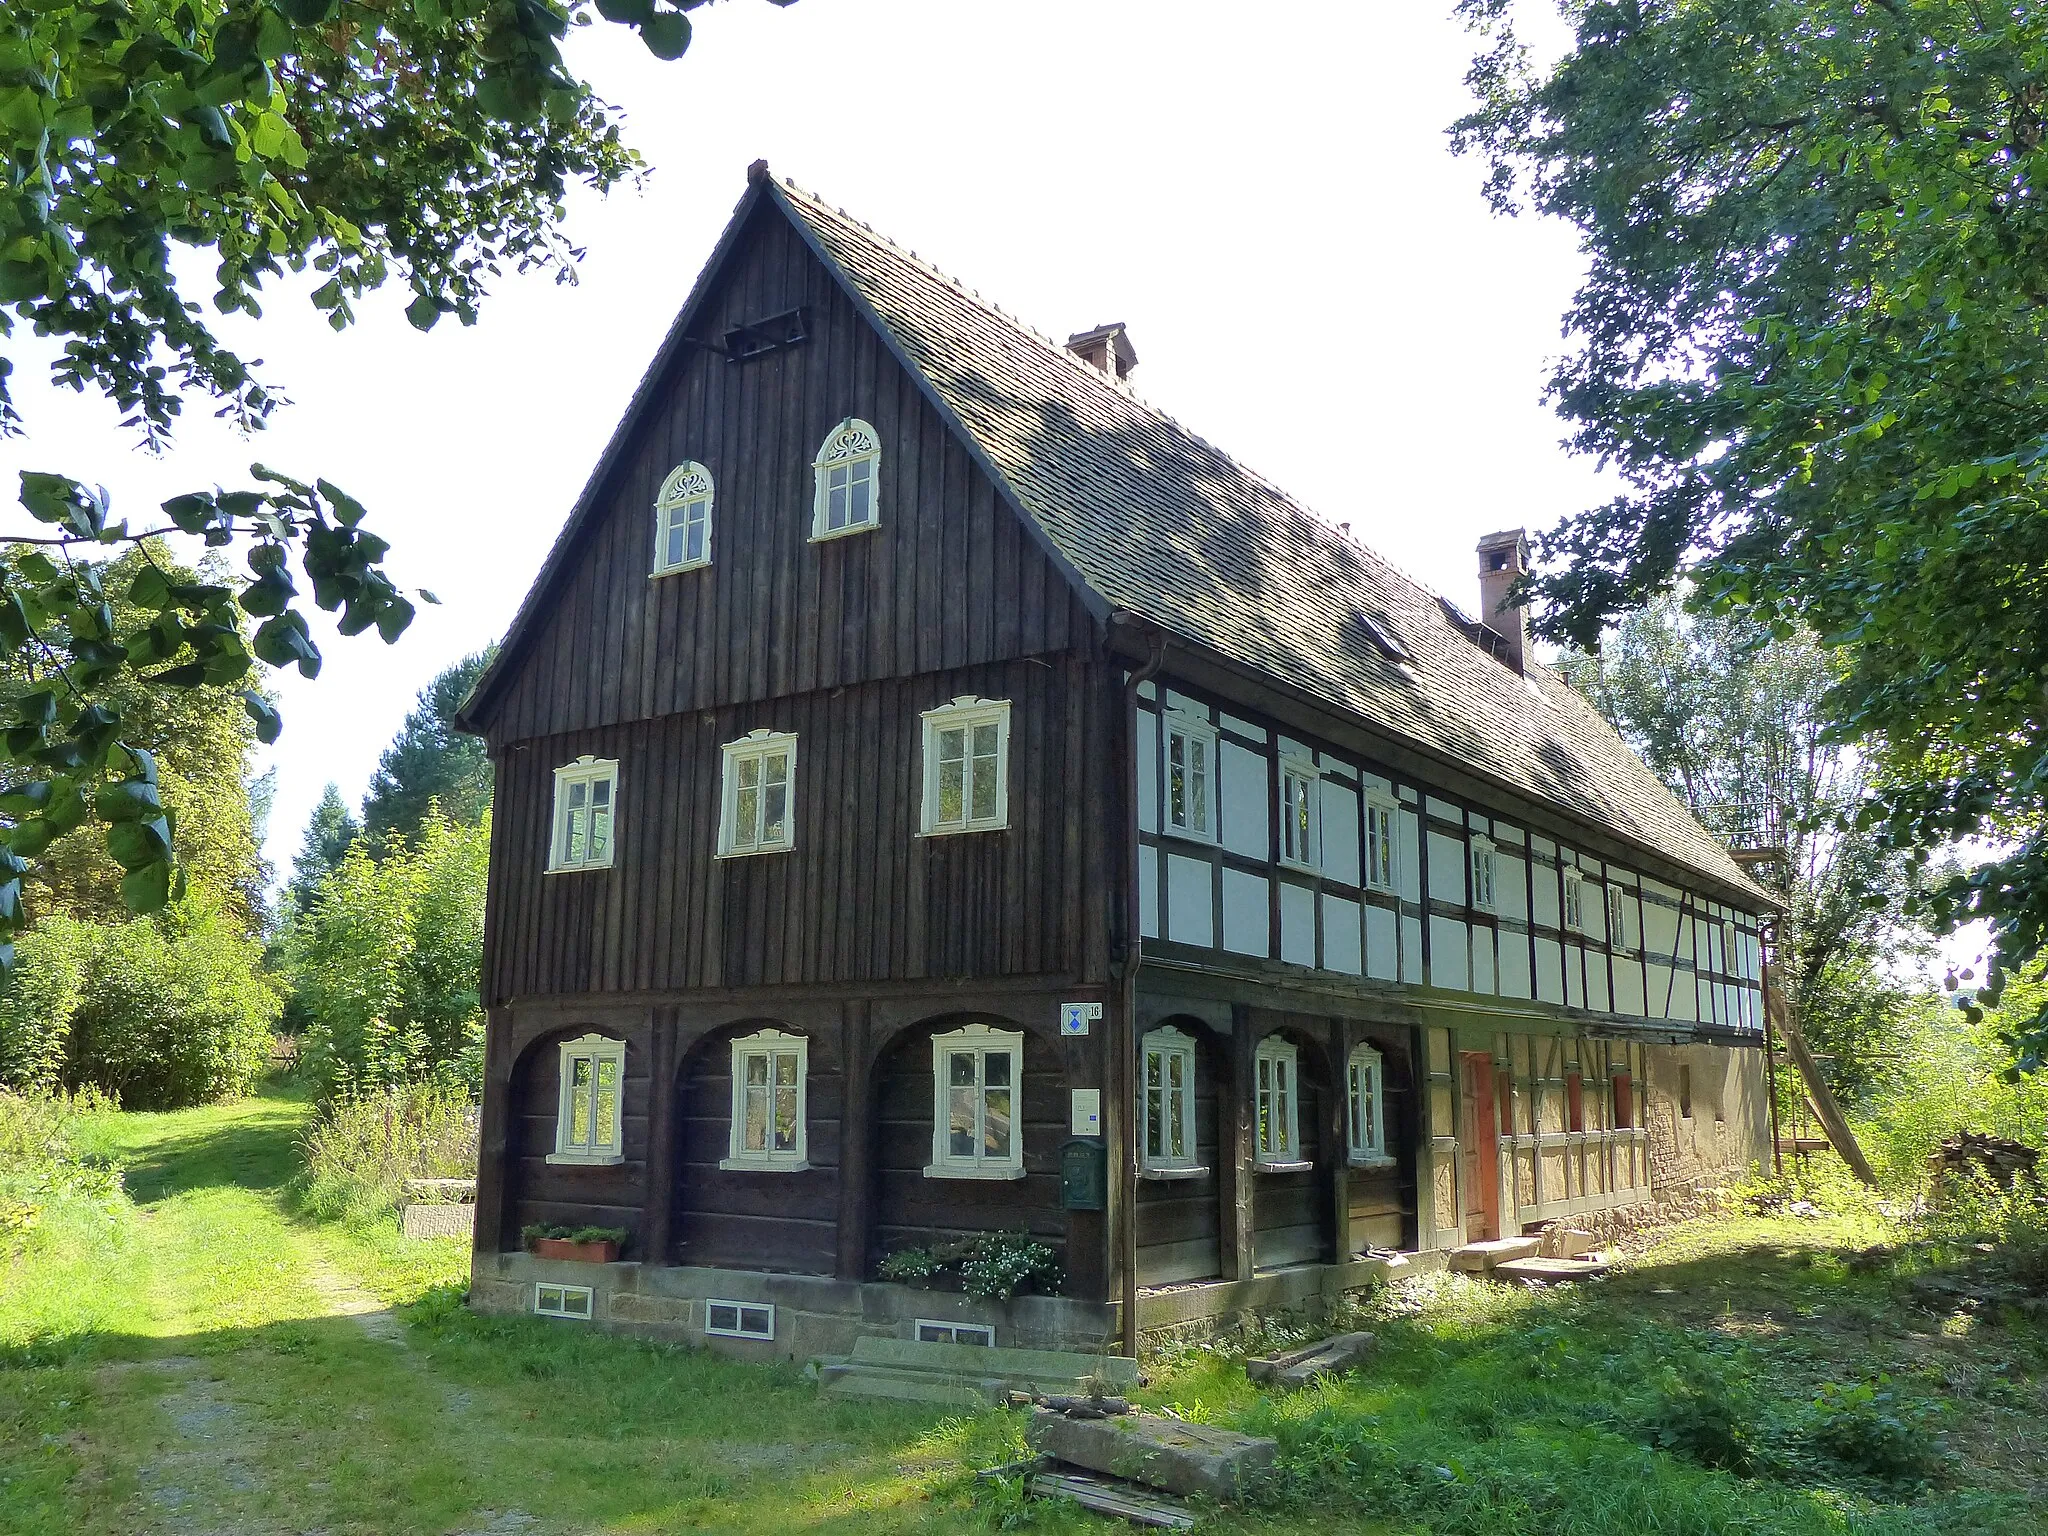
(1298, 1367)
(1140, 1465)
(967, 1375)
(1974, 1154)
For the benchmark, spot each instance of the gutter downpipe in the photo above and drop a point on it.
(1770, 1056)
(1134, 954)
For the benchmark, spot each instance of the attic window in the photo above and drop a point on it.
(849, 475)
(1382, 638)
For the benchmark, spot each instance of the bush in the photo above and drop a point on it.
(48, 1149)
(387, 964)
(989, 1264)
(360, 1149)
(1867, 1429)
(38, 1001)
(170, 1011)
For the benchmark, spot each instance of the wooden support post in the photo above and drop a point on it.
(856, 1141)
(658, 1214)
(492, 1140)
(1336, 1133)
(1235, 1150)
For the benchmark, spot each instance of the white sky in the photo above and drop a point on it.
(1264, 194)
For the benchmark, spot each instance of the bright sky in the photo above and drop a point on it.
(1264, 194)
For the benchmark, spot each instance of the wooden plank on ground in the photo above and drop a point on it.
(1140, 1506)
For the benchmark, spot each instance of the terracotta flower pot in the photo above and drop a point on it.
(603, 1252)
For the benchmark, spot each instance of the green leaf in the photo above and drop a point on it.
(150, 589)
(347, 510)
(423, 312)
(635, 12)
(666, 35)
(147, 889)
(269, 723)
(127, 800)
(136, 843)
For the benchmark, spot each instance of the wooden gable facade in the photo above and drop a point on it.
(1428, 1054)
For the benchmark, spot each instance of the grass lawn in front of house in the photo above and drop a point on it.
(200, 1358)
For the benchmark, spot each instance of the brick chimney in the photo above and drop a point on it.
(1503, 559)
(1107, 347)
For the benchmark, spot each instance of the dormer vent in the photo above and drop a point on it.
(1106, 348)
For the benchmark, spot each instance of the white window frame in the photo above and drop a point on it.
(1365, 1098)
(685, 503)
(588, 772)
(1574, 900)
(984, 1333)
(1168, 1045)
(756, 746)
(1728, 954)
(737, 1329)
(1276, 1075)
(551, 1299)
(1483, 873)
(1191, 730)
(965, 714)
(772, 1044)
(1617, 920)
(850, 444)
(1310, 854)
(983, 1042)
(1381, 842)
(606, 1145)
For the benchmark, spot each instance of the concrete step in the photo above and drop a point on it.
(1024, 1370)
(911, 1387)
(1478, 1258)
(1551, 1271)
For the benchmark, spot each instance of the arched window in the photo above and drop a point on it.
(849, 469)
(682, 520)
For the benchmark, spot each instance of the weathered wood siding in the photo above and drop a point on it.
(1291, 1218)
(949, 578)
(860, 896)
(566, 1194)
(1179, 1221)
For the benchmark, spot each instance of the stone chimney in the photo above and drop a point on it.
(1107, 347)
(1503, 560)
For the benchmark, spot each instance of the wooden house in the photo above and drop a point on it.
(937, 793)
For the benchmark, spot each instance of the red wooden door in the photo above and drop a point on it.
(1479, 1146)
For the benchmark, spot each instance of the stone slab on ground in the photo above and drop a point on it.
(1477, 1258)
(437, 1220)
(1159, 1452)
(1551, 1271)
(1298, 1367)
(968, 1373)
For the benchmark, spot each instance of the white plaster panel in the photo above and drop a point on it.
(1596, 982)
(1512, 965)
(1540, 844)
(1482, 958)
(1190, 901)
(1446, 869)
(1544, 909)
(1575, 975)
(1148, 892)
(1628, 988)
(1289, 747)
(1670, 893)
(1186, 705)
(1148, 771)
(1503, 833)
(1510, 883)
(1242, 727)
(1340, 832)
(1242, 803)
(1660, 930)
(1408, 855)
(1656, 983)
(1337, 768)
(1449, 954)
(1375, 781)
(1297, 924)
(1341, 937)
(1382, 947)
(1148, 691)
(1549, 970)
(1247, 914)
(1443, 810)
(1411, 950)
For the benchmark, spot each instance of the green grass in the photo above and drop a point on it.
(175, 1362)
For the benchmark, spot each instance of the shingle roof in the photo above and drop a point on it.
(1162, 524)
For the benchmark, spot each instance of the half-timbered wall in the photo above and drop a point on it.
(861, 896)
(1688, 958)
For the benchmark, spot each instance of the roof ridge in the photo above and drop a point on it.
(1325, 522)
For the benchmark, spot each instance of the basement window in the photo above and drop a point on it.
(930, 1332)
(739, 1319)
(849, 476)
(570, 1301)
(587, 1113)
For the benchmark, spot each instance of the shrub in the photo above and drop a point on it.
(38, 1001)
(1696, 1416)
(47, 1150)
(540, 1231)
(170, 1011)
(360, 1149)
(989, 1264)
(1869, 1430)
(387, 964)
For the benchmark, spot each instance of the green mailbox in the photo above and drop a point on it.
(1084, 1174)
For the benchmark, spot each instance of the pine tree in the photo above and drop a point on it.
(329, 834)
(430, 760)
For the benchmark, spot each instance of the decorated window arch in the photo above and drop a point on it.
(682, 519)
(849, 480)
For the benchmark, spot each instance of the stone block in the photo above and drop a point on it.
(1161, 1453)
(1477, 1258)
(1537, 1271)
(438, 1221)
(1563, 1242)
(1298, 1367)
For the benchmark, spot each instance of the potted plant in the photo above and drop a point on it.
(584, 1245)
(987, 1266)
